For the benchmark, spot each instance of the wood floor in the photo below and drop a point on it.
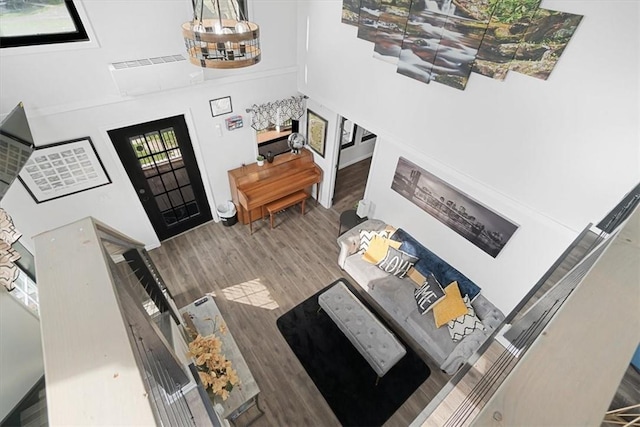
(258, 278)
(291, 262)
(350, 185)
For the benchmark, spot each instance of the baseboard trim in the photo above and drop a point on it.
(356, 160)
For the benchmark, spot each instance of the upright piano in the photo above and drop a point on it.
(253, 186)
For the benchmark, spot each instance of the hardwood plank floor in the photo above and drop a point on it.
(292, 261)
(350, 185)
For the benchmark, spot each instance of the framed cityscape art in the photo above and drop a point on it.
(480, 225)
(63, 168)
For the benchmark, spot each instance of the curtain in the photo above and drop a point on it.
(8, 234)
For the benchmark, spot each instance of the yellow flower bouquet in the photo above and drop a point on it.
(214, 369)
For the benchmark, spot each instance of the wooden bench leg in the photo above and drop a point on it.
(303, 202)
(271, 219)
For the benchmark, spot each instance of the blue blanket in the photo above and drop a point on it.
(428, 262)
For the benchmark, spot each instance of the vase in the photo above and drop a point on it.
(269, 157)
(215, 399)
(260, 162)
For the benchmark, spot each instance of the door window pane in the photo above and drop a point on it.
(149, 170)
(176, 198)
(163, 202)
(156, 186)
(187, 193)
(169, 181)
(182, 176)
(169, 217)
(169, 138)
(154, 142)
(176, 157)
(192, 208)
(139, 145)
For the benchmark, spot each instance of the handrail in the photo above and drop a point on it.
(482, 392)
(166, 396)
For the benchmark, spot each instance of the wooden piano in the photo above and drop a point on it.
(253, 186)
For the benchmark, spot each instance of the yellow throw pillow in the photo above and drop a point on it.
(450, 307)
(377, 249)
(417, 277)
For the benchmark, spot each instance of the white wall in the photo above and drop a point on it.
(505, 279)
(117, 204)
(76, 97)
(555, 154)
(21, 363)
(567, 147)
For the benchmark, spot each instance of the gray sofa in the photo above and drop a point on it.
(396, 297)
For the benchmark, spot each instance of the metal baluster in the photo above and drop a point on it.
(157, 377)
(167, 381)
(145, 362)
(185, 408)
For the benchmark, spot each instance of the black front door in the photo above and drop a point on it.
(161, 164)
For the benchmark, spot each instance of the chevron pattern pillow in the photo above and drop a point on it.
(465, 324)
(367, 235)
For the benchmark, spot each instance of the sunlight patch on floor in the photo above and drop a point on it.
(252, 293)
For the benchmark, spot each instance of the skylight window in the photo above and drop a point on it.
(28, 23)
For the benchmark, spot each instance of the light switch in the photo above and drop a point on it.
(219, 130)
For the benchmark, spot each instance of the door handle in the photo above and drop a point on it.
(142, 193)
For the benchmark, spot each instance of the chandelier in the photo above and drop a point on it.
(227, 40)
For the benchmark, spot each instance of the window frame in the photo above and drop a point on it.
(80, 35)
(25, 291)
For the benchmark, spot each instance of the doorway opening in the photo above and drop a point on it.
(161, 164)
(352, 166)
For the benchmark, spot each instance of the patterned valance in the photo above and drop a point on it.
(8, 234)
(276, 112)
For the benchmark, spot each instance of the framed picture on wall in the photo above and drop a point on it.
(220, 106)
(61, 169)
(316, 132)
(480, 225)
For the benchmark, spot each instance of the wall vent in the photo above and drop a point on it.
(146, 75)
(148, 61)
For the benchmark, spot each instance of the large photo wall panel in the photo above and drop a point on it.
(566, 148)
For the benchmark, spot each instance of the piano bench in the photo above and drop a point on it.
(285, 202)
